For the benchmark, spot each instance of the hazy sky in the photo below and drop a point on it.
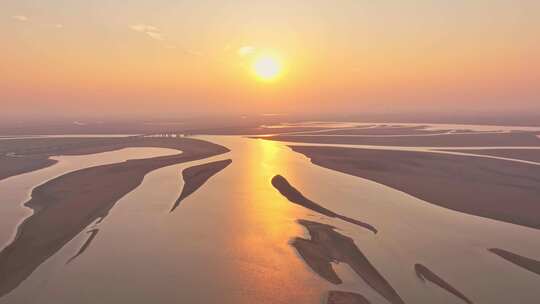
(174, 57)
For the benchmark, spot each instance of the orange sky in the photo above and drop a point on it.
(141, 57)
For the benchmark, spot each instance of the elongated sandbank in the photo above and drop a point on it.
(327, 246)
(11, 166)
(25, 155)
(496, 189)
(64, 206)
(447, 140)
(196, 176)
(378, 131)
(295, 196)
(424, 274)
(343, 297)
(522, 154)
(521, 261)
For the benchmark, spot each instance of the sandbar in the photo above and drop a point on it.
(492, 188)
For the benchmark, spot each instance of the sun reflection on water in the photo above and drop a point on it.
(269, 262)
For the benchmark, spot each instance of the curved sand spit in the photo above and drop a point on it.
(196, 176)
(295, 196)
(424, 274)
(18, 156)
(521, 261)
(65, 206)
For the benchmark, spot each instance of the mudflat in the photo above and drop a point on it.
(473, 185)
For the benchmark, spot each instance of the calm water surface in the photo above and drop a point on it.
(229, 241)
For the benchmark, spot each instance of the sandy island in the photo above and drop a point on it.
(65, 206)
(342, 297)
(295, 196)
(424, 274)
(522, 154)
(196, 176)
(491, 188)
(327, 246)
(521, 261)
(24, 155)
(446, 140)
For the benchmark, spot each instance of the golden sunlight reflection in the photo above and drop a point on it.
(270, 207)
(269, 222)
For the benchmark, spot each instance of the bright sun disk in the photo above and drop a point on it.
(266, 68)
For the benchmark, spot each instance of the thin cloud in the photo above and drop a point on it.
(150, 30)
(59, 26)
(156, 34)
(20, 18)
(246, 50)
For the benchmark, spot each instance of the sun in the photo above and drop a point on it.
(266, 68)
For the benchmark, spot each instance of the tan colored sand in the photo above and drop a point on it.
(64, 206)
(497, 189)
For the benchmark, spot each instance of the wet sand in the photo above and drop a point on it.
(496, 189)
(327, 246)
(424, 274)
(26, 155)
(516, 139)
(66, 205)
(342, 297)
(196, 176)
(521, 261)
(295, 196)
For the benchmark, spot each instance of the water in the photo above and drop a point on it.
(229, 241)
(16, 190)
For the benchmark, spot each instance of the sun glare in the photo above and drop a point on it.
(266, 68)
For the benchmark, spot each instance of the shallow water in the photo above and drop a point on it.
(229, 241)
(16, 190)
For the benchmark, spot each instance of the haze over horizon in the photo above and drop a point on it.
(251, 151)
(163, 58)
